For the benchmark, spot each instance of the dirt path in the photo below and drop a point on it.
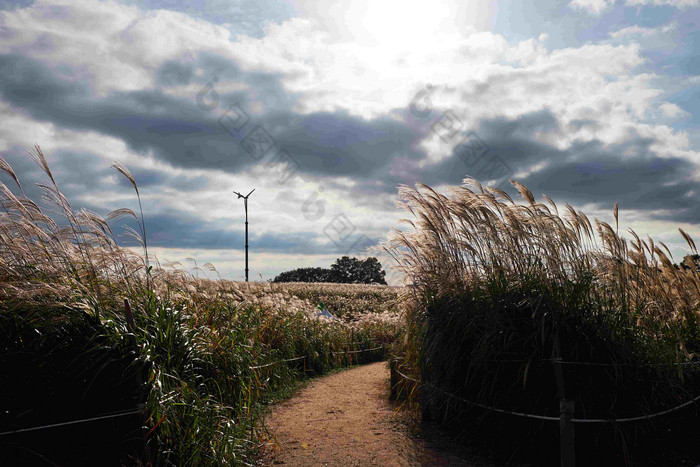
(347, 419)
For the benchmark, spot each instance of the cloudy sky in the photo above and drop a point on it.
(325, 107)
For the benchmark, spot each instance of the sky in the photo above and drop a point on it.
(325, 108)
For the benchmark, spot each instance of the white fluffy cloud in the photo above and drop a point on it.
(639, 31)
(591, 6)
(672, 110)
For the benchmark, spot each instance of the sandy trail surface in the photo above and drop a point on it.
(347, 419)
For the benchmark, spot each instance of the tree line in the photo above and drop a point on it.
(345, 270)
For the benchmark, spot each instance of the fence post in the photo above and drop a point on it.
(566, 412)
(393, 378)
(566, 433)
(352, 344)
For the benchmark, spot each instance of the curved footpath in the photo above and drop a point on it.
(347, 419)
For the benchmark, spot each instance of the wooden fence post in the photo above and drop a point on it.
(352, 344)
(567, 443)
(566, 433)
(393, 378)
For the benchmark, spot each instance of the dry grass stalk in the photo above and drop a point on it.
(476, 234)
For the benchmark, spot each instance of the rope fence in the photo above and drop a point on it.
(120, 413)
(277, 362)
(550, 418)
(564, 362)
(306, 356)
(359, 351)
(141, 407)
(626, 364)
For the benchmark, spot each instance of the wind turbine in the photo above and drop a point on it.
(245, 205)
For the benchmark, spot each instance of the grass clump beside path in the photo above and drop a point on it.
(503, 288)
(201, 355)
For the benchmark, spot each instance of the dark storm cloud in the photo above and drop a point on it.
(377, 154)
(176, 131)
(156, 179)
(172, 229)
(585, 172)
(179, 230)
(173, 129)
(75, 172)
(340, 144)
(643, 181)
(509, 139)
(78, 173)
(174, 73)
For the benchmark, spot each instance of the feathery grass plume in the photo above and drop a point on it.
(53, 195)
(76, 260)
(5, 167)
(141, 222)
(38, 156)
(688, 240)
(498, 281)
(212, 268)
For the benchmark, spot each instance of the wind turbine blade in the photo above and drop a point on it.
(251, 192)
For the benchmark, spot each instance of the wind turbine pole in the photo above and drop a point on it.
(245, 206)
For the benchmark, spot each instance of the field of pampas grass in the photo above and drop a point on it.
(504, 289)
(89, 328)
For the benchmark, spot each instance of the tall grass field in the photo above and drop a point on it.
(505, 293)
(512, 310)
(110, 358)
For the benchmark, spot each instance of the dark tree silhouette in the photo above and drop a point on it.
(345, 270)
(305, 275)
(348, 270)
